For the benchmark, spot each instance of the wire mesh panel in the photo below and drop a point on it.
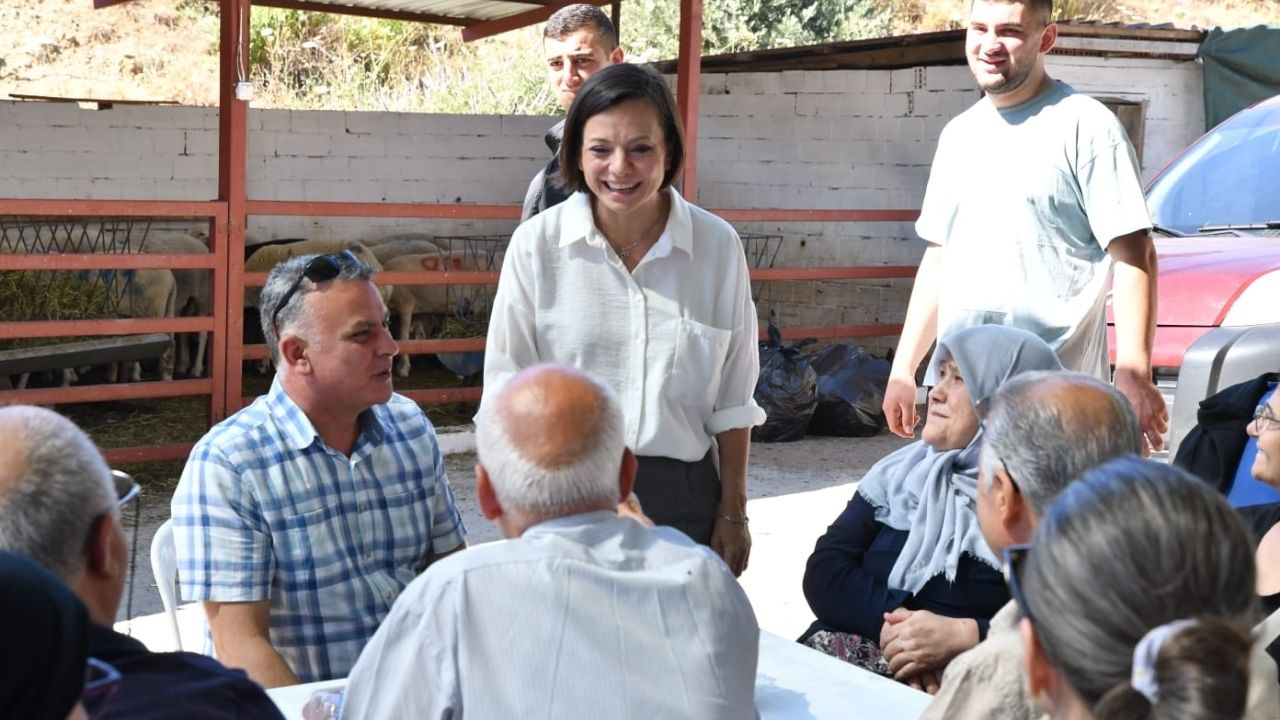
(482, 253)
(71, 234)
(761, 250)
(65, 294)
(469, 305)
(87, 293)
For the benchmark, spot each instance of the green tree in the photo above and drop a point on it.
(650, 28)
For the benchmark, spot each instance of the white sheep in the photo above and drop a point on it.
(395, 248)
(145, 293)
(432, 302)
(268, 256)
(135, 293)
(193, 297)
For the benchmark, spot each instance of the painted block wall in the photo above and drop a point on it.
(844, 139)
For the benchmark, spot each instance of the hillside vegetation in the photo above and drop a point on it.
(166, 50)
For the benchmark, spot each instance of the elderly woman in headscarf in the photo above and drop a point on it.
(905, 565)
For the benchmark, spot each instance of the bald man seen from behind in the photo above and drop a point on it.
(580, 613)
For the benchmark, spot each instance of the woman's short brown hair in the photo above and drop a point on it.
(608, 88)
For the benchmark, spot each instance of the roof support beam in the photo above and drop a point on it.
(324, 7)
(688, 81)
(233, 154)
(490, 28)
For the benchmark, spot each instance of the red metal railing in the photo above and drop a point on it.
(226, 348)
(228, 216)
(212, 212)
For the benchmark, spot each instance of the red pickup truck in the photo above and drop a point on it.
(1216, 216)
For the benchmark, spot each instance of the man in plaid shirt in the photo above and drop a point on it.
(299, 519)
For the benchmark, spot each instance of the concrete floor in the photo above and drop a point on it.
(796, 490)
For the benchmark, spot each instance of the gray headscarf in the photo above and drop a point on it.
(931, 493)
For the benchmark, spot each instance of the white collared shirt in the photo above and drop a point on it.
(585, 616)
(676, 338)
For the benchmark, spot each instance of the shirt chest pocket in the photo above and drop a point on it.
(696, 363)
(305, 551)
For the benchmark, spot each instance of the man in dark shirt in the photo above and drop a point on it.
(60, 506)
(577, 41)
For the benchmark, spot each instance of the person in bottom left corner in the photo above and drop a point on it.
(301, 518)
(60, 505)
(44, 661)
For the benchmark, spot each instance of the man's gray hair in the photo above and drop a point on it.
(294, 316)
(523, 484)
(1041, 447)
(47, 506)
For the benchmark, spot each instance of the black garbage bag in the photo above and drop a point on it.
(851, 384)
(787, 390)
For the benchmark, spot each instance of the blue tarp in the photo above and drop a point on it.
(1241, 67)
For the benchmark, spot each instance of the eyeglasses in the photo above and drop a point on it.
(126, 488)
(1015, 561)
(321, 268)
(101, 681)
(1264, 420)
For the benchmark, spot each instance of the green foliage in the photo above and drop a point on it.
(651, 28)
(318, 60)
(1084, 9)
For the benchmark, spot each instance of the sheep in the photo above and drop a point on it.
(385, 251)
(145, 293)
(267, 257)
(135, 293)
(430, 300)
(192, 294)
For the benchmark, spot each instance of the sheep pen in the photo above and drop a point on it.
(90, 294)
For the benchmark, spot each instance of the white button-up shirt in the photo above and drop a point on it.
(587, 616)
(675, 338)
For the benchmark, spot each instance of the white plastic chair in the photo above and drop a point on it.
(164, 566)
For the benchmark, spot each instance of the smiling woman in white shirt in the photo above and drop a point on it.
(628, 281)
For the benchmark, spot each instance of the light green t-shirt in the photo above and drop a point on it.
(1024, 201)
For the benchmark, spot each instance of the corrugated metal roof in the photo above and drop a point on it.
(465, 12)
(477, 18)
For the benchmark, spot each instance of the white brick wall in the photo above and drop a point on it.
(796, 139)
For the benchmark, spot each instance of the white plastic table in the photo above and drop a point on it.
(792, 682)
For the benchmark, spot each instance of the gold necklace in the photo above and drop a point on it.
(625, 252)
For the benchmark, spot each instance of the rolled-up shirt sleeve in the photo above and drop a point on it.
(735, 402)
(223, 544)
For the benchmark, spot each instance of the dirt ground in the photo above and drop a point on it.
(796, 490)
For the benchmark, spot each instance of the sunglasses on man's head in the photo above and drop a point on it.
(1015, 561)
(321, 268)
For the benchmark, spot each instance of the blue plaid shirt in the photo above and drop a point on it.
(265, 510)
